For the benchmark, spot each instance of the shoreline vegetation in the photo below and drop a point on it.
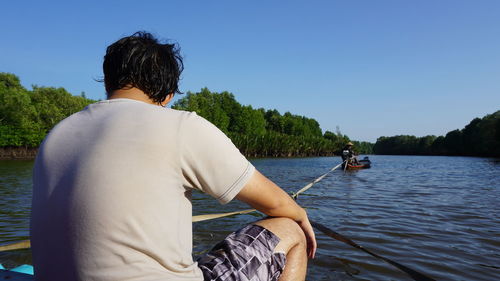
(27, 116)
(481, 137)
(266, 133)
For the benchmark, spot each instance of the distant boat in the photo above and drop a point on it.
(363, 164)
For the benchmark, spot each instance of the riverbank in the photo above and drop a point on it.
(18, 153)
(29, 153)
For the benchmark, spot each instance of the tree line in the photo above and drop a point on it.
(481, 137)
(265, 133)
(26, 116)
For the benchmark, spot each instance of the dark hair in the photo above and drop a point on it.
(141, 61)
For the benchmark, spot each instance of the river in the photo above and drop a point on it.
(437, 215)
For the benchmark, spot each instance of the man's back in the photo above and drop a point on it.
(112, 194)
(112, 187)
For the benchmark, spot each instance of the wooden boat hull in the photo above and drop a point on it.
(363, 164)
(20, 273)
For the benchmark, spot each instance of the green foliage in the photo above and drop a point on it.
(55, 104)
(257, 132)
(363, 147)
(481, 137)
(27, 116)
(401, 145)
(10, 81)
(274, 144)
(340, 140)
(209, 106)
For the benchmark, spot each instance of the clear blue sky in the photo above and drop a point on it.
(373, 68)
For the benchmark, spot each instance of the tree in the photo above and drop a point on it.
(453, 142)
(27, 116)
(206, 104)
(481, 137)
(424, 145)
(18, 116)
(260, 132)
(274, 121)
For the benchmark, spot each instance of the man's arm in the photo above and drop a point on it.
(265, 196)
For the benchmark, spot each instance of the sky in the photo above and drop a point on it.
(370, 68)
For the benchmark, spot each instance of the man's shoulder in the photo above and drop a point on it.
(134, 108)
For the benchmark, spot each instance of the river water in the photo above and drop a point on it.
(437, 215)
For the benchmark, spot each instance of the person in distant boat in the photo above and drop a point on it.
(112, 187)
(348, 154)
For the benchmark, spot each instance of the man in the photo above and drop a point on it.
(348, 154)
(112, 187)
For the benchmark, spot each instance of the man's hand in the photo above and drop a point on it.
(310, 237)
(265, 196)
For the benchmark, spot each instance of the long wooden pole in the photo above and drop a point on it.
(26, 244)
(415, 275)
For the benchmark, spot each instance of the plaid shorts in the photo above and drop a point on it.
(245, 255)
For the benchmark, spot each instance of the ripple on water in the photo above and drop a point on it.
(438, 215)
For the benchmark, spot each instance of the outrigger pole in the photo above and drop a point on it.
(413, 274)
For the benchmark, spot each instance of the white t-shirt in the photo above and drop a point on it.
(112, 192)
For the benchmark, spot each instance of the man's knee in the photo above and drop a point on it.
(287, 230)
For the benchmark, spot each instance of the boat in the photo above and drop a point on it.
(363, 164)
(21, 273)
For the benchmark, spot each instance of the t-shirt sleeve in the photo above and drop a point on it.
(210, 162)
